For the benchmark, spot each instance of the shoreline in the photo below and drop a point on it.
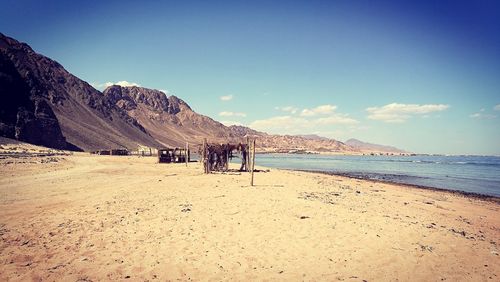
(490, 198)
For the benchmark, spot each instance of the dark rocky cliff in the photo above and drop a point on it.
(86, 118)
(24, 116)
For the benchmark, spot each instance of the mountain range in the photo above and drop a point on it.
(373, 148)
(44, 104)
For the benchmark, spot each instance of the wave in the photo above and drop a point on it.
(445, 162)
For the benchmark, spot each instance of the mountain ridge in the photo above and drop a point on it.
(87, 120)
(57, 109)
(370, 147)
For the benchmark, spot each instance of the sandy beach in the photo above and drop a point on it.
(83, 217)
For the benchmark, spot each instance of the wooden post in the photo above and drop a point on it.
(253, 160)
(227, 158)
(186, 153)
(247, 166)
(204, 155)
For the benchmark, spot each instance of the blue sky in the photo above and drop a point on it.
(423, 76)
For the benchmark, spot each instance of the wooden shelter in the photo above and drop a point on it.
(177, 155)
(216, 157)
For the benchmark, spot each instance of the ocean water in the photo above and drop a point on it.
(476, 174)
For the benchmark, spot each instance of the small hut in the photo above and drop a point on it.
(119, 152)
(177, 155)
(145, 151)
(104, 152)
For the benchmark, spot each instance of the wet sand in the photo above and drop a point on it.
(91, 218)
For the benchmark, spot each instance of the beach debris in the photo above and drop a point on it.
(458, 232)
(431, 225)
(304, 217)
(185, 207)
(358, 192)
(56, 267)
(463, 219)
(425, 247)
(325, 197)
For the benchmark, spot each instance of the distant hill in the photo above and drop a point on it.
(314, 137)
(287, 143)
(44, 104)
(243, 131)
(369, 147)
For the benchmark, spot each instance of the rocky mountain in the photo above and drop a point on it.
(169, 120)
(289, 143)
(172, 122)
(243, 131)
(44, 104)
(314, 137)
(369, 147)
(23, 116)
(51, 96)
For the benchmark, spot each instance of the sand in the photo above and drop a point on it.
(83, 217)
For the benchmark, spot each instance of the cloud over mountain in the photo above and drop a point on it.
(398, 113)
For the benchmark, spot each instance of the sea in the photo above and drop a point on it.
(472, 174)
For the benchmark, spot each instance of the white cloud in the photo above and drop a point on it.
(398, 113)
(281, 124)
(124, 83)
(301, 125)
(165, 91)
(226, 98)
(322, 118)
(497, 107)
(307, 113)
(336, 119)
(287, 109)
(232, 114)
(322, 109)
(230, 122)
(481, 115)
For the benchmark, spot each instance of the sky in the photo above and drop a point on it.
(423, 76)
